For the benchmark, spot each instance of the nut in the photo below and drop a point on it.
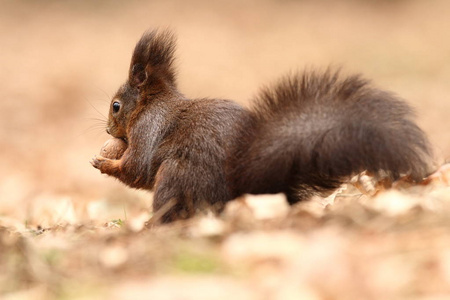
(113, 148)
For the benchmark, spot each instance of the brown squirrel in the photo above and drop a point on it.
(306, 134)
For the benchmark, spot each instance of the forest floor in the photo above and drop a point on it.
(349, 245)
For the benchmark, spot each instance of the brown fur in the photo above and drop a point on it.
(306, 134)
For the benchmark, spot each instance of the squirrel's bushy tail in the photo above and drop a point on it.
(313, 130)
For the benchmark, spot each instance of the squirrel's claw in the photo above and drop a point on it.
(97, 161)
(105, 165)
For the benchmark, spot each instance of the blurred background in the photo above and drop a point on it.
(61, 61)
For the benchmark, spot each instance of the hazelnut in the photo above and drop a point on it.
(113, 148)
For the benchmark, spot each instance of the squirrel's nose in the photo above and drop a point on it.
(107, 131)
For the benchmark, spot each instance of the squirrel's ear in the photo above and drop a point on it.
(153, 57)
(138, 75)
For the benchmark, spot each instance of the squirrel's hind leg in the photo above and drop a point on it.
(170, 200)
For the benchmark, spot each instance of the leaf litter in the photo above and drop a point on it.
(384, 244)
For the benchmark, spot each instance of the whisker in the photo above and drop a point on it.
(102, 121)
(95, 124)
(100, 126)
(105, 93)
(94, 128)
(108, 96)
(101, 114)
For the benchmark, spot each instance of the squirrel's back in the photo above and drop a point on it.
(313, 130)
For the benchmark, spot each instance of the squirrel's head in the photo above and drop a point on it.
(151, 78)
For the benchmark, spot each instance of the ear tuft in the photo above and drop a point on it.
(138, 76)
(153, 56)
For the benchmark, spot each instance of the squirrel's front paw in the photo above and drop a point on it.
(98, 161)
(106, 165)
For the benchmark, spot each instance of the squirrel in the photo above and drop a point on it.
(306, 134)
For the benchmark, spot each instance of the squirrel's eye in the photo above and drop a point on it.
(116, 106)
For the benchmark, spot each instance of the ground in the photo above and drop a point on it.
(67, 232)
